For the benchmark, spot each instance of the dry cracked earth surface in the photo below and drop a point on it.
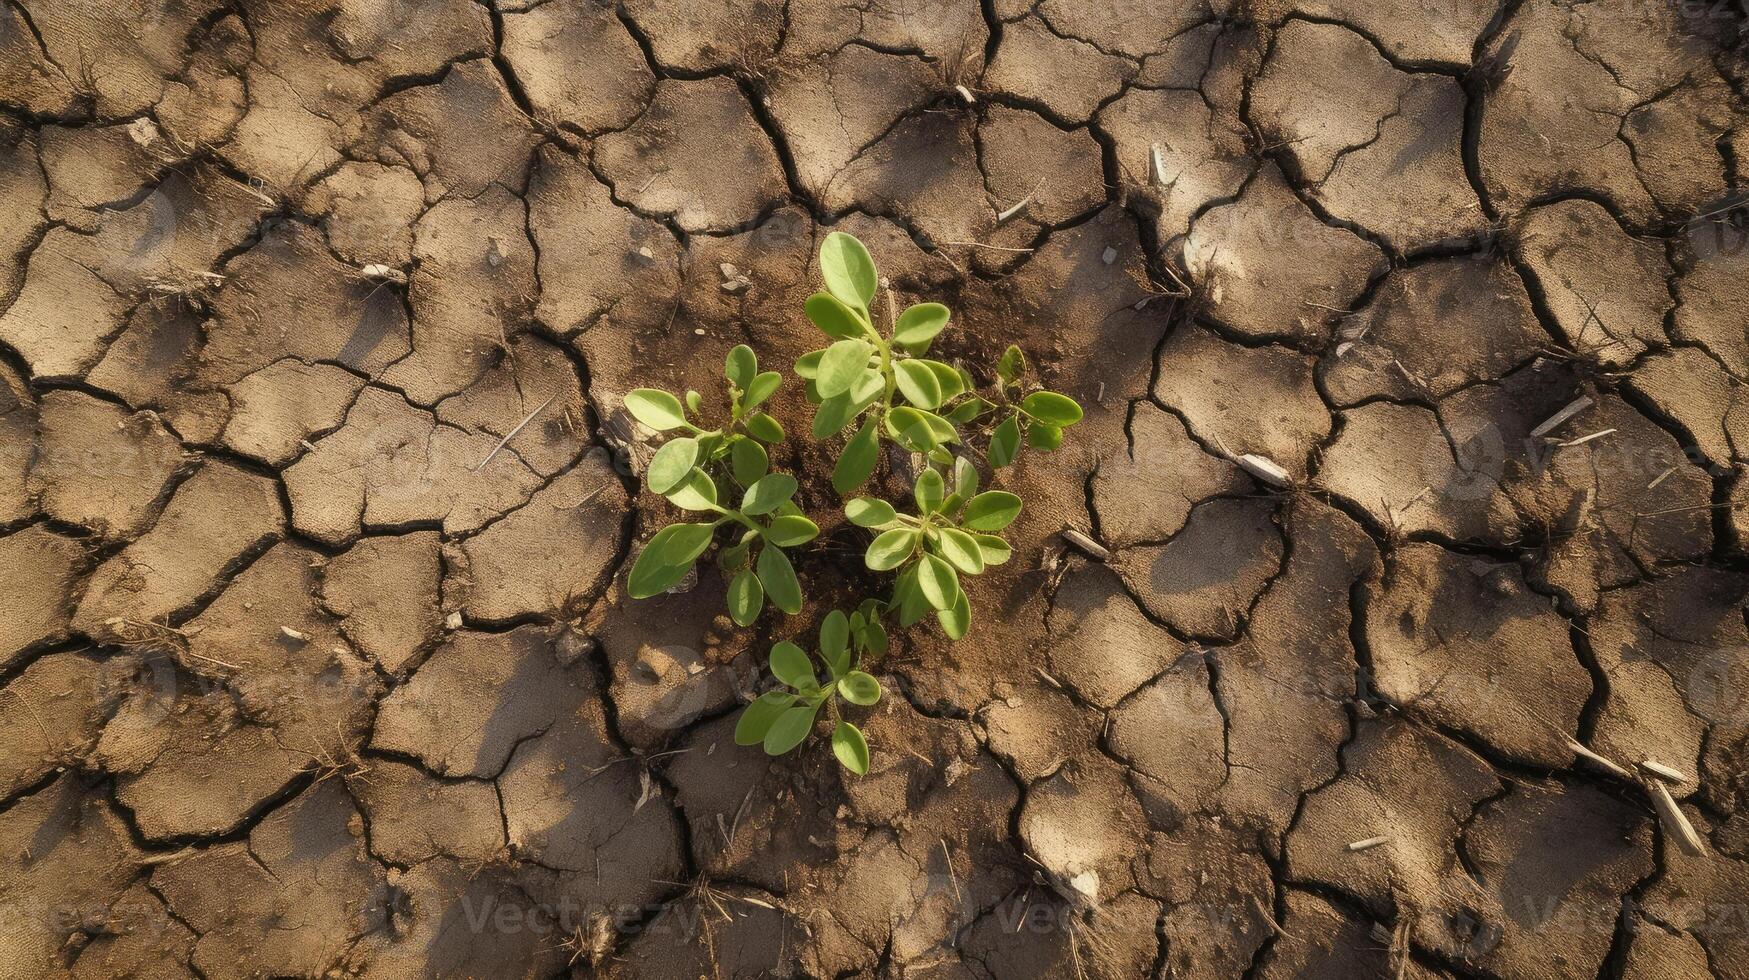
(299, 678)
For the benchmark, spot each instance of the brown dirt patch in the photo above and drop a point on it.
(304, 674)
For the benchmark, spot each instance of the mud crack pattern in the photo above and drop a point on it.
(303, 674)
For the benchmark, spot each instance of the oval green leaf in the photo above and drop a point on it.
(1005, 442)
(748, 461)
(790, 728)
(834, 319)
(671, 464)
(791, 666)
(859, 688)
(869, 512)
(918, 382)
(937, 581)
(1043, 436)
(790, 530)
(843, 363)
(929, 491)
(746, 597)
(767, 494)
(759, 389)
(847, 269)
(919, 324)
(740, 366)
(779, 579)
(687, 543)
(653, 574)
(991, 510)
(996, 551)
(858, 461)
(890, 549)
(699, 492)
(763, 427)
(965, 477)
(850, 748)
(657, 409)
(962, 551)
(1051, 408)
(954, 622)
(946, 376)
(835, 641)
(759, 716)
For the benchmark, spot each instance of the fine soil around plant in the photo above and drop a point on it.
(1413, 337)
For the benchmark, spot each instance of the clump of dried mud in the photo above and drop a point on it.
(1412, 337)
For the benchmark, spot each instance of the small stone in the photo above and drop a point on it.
(1110, 255)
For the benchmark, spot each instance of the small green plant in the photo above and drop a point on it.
(884, 389)
(703, 470)
(781, 719)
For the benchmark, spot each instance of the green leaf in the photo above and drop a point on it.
(833, 414)
(653, 573)
(657, 409)
(835, 319)
(746, 597)
(748, 461)
(965, 477)
(699, 492)
(847, 269)
(918, 383)
(763, 427)
(859, 459)
(890, 549)
(996, 550)
(929, 490)
(869, 512)
(694, 401)
(850, 748)
(1043, 436)
(969, 409)
(1012, 365)
(1051, 408)
(1005, 442)
(947, 377)
(937, 581)
(991, 510)
(790, 728)
(791, 666)
(835, 641)
(961, 549)
(860, 688)
(919, 324)
(779, 578)
(740, 366)
(808, 365)
(687, 543)
(760, 389)
(758, 717)
(843, 363)
(671, 464)
(912, 428)
(790, 530)
(954, 622)
(874, 638)
(909, 598)
(767, 493)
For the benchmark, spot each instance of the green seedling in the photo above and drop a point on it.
(724, 472)
(781, 719)
(883, 388)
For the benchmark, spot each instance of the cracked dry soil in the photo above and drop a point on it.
(292, 685)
